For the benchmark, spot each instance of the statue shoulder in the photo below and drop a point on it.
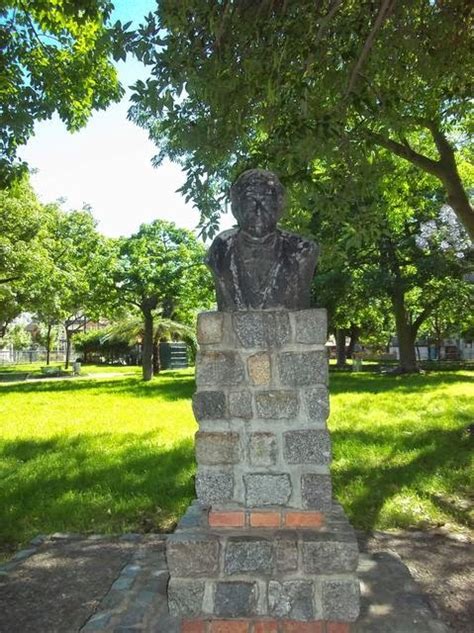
(220, 246)
(297, 243)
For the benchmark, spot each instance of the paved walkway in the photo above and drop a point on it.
(71, 584)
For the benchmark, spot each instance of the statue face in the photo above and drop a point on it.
(258, 207)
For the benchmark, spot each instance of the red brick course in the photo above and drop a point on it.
(304, 519)
(265, 519)
(226, 519)
(230, 626)
(193, 626)
(338, 627)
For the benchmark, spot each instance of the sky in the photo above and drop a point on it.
(107, 164)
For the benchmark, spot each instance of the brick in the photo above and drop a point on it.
(340, 599)
(302, 627)
(265, 519)
(303, 368)
(263, 489)
(307, 447)
(218, 518)
(262, 448)
(245, 554)
(193, 626)
(219, 368)
(235, 599)
(259, 368)
(286, 551)
(240, 404)
(329, 557)
(229, 626)
(316, 491)
(303, 519)
(217, 448)
(185, 597)
(291, 599)
(192, 554)
(249, 328)
(210, 327)
(214, 486)
(265, 626)
(311, 326)
(209, 405)
(338, 627)
(316, 402)
(276, 404)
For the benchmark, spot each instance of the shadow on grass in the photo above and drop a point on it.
(367, 487)
(169, 386)
(380, 383)
(93, 484)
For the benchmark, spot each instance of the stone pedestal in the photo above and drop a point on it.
(264, 549)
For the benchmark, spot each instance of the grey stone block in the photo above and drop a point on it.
(217, 448)
(316, 491)
(277, 328)
(276, 404)
(340, 599)
(240, 404)
(307, 447)
(214, 487)
(193, 554)
(245, 554)
(235, 599)
(303, 368)
(311, 326)
(185, 597)
(262, 449)
(263, 489)
(209, 405)
(316, 402)
(210, 327)
(329, 557)
(291, 599)
(219, 368)
(286, 552)
(249, 328)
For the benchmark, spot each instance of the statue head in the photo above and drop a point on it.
(257, 200)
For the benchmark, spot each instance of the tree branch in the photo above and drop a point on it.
(385, 9)
(8, 279)
(408, 153)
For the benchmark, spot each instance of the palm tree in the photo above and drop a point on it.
(132, 330)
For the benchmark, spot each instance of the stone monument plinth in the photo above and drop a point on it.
(264, 549)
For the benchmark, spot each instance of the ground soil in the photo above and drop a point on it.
(443, 565)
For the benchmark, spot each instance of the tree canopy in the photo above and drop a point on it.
(285, 85)
(56, 57)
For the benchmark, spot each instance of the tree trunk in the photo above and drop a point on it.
(341, 348)
(406, 334)
(147, 354)
(156, 358)
(68, 348)
(354, 334)
(48, 343)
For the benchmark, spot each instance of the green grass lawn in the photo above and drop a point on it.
(114, 454)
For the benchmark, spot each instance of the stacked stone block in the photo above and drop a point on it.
(264, 546)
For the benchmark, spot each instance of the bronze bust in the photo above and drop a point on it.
(258, 266)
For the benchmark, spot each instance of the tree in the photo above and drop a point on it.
(161, 267)
(284, 84)
(56, 57)
(78, 283)
(22, 253)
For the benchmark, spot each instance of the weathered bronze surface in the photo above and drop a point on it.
(258, 266)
